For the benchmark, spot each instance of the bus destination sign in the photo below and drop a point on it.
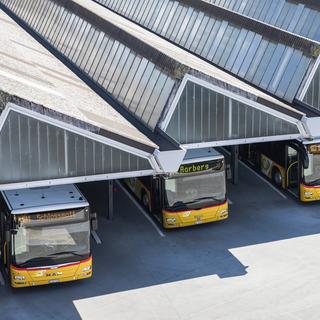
(201, 166)
(46, 216)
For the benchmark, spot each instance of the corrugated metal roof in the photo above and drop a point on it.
(30, 72)
(271, 59)
(180, 55)
(127, 62)
(143, 65)
(299, 17)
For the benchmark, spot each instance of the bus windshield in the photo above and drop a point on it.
(204, 188)
(51, 238)
(312, 174)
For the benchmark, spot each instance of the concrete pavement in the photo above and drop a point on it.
(261, 263)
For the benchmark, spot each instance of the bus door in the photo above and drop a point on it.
(157, 202)
(4, 241)
(292, 170)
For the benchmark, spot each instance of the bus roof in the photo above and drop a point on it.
(33, 200)
(203, 154)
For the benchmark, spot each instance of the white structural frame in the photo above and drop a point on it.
(80, 179)
(202, 159)
(82, 132)
(69, 127)
(163, 125)
(232, 142)
(302, 92)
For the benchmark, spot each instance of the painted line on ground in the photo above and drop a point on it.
(141, 209)
(96, 237)
(266, 181)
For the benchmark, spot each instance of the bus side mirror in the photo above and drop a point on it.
(93, 221)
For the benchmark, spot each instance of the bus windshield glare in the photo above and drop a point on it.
(51, 237)
(312, 174)
(206, 187)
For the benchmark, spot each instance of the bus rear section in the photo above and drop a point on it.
(196, 194)
(290, 165)
(45, 235)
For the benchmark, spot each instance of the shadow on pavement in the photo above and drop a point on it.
(134, 256)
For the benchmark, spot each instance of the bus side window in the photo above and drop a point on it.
(292, 155)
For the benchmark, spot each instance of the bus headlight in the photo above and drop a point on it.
(88, 268)
(308, 193)
(171, 220)
(19, 277)
(223, 212)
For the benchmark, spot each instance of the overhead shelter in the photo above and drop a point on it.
(298, 17)
(164, 87)
(269, 57)
(301, 17)
(56, 130)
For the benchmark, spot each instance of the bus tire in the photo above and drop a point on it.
(277, 177)
(145, 201)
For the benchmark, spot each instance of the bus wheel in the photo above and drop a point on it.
(277, 177)
(145, 201)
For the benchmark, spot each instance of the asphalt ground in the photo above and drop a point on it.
(261, 263)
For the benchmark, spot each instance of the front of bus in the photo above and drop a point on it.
(50, 247)
(196, 194)
(310, 185)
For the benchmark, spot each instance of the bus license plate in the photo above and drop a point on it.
(199, 221)
(54, 281)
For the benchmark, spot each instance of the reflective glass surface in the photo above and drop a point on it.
(251, 55)
(120, 70)
(32, 150)
(292, 16)
(204, 115)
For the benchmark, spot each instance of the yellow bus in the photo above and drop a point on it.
(194, 195)
(291, 165)
(45, 235)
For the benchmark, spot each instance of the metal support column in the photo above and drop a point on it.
(235, 164)
(110, 213)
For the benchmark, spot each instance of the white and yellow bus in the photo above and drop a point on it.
(196, 194)
(291, 165)
(45, 235)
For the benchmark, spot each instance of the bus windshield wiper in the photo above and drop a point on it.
(208, 198)
(178, 204)
(37, 259)
(314, 183)
(66, 252)
(203, 198)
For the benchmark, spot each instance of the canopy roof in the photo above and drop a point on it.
(267, 57)
(53, 128)
(299, 17)
(160, 84)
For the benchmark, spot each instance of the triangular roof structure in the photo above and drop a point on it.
(269, 57)
(53, 128)
(149, 76)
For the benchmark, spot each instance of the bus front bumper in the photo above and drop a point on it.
(194, 217)
(28, 277)
(309, 193)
